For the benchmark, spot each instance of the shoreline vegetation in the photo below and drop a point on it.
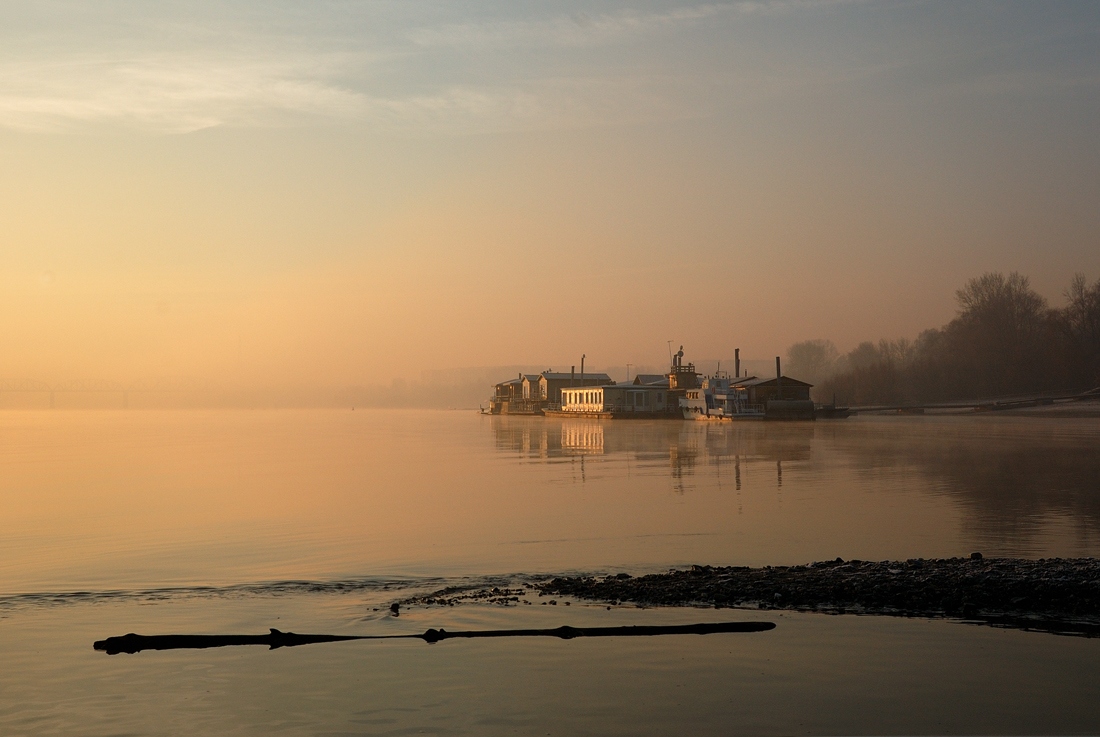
(1005, 341)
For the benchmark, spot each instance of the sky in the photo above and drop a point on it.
(340, 193)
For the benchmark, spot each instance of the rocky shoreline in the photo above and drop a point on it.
(1054, 595)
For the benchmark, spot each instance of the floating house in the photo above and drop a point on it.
(762, 391)
(512, 396)
(681, 393)
(533, 394)
(720, 397)
(552, 384)
(618, 400)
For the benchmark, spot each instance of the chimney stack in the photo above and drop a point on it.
(737, 363)
(778, 380)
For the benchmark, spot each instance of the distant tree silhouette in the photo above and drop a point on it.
(812, 360)
(1079, 323)
(1001, 337)
(1004, 340)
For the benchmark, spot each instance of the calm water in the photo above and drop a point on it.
(315, 521)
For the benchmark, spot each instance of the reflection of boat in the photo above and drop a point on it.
(680, 449)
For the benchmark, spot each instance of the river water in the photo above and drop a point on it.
(315, 521)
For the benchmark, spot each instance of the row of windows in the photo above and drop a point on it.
(597, 398)
(580, 397)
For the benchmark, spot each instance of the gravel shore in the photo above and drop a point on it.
(1055, 594)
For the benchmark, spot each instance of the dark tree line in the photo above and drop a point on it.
(1006, 340)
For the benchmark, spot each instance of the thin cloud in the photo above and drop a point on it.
(167, 94)
(583, 29)
(578, 29)
(181, 96)
(401, 80)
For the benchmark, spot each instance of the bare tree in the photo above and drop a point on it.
(998, 342)
(812, 360)
(1080, 322)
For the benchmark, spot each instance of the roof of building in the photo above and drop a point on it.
(510, 381)
(754, 381)
(559, 376)
(651, 378)
(532, 377)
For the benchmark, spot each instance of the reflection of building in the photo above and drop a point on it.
(527, 439)
(582, 437)
(681, 450)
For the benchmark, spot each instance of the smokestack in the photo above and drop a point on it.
(778, 380)
(736, 363)
(572, 374)
(582, 369)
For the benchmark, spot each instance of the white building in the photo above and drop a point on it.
(618, 399)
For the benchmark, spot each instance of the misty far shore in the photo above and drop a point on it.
(1005, 340)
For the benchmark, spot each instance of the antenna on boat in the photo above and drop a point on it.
(669, 352)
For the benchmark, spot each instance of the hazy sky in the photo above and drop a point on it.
(331, 193)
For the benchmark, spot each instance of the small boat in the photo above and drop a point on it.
(832, 412)
(719, 398)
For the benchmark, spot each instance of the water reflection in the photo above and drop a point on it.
(105, 501)
(1016, 482)
(684, 448)
(1015, 479)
